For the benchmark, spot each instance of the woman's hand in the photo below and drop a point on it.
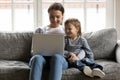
(73, 57)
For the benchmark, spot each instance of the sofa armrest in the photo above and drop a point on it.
(118, 51)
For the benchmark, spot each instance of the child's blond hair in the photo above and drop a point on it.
(75, 22)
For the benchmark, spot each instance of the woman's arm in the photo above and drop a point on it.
(39, 30)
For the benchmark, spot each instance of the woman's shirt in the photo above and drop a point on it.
(48, 30)
(77, 46)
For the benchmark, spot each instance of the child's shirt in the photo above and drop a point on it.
(77, 46)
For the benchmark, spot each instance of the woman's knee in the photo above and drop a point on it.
(37, 59)
(59, 60)
(57, 56)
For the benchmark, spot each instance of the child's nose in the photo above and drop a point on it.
(67, 30)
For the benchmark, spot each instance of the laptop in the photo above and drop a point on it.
(47, 44)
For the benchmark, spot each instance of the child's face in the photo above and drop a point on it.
(71, 31)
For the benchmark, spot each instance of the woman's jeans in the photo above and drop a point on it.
(56, 64)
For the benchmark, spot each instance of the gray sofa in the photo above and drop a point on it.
(15, 54)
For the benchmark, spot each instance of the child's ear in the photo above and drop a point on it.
(78, 29)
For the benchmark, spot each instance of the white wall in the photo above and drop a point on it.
(117, 17)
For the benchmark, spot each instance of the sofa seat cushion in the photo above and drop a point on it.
(110, 68)
(75, 74)
(13, 70)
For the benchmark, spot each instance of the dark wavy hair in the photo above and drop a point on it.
(56, 6)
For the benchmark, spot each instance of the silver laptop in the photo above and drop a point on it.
(47, 44)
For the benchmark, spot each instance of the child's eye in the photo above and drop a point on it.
(69, 28)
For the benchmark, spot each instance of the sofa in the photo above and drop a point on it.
(15, 53)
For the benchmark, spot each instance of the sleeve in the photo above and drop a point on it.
(86, 48)
(81, 55)
(39, 30)
(66, 52)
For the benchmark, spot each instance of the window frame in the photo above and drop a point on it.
(110, 18)
(12, 4)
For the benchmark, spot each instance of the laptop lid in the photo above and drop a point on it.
(47, 44)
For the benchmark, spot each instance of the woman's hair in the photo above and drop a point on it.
(74, 22)
(56, 6)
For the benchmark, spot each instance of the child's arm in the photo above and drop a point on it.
(86, 48)
(73, 57)
(81, 55)
(66, 54)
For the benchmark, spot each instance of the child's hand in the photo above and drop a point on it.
(73, 57)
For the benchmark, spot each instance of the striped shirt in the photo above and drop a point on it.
(77, 46)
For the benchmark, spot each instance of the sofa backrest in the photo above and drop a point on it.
(102, 43)
(15, 46)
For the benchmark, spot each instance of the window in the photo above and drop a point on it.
(27, 15)
(93, 14)
(16, 15)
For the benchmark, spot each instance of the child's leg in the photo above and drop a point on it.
(91, 63)
(97, 69)
(78, 64)
(82, 67)
(87, 71)
(98, 72)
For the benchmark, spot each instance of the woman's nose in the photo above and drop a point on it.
(55, 19)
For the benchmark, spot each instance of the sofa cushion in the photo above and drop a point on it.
(102, 43)
(13, 70)
(15, 46)
(111, 69)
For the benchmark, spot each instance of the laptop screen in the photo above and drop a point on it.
(47, 44)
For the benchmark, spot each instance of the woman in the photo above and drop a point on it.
(55, 63)
(56, 13)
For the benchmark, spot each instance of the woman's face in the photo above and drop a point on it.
(55, 17)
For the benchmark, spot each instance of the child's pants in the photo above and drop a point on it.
(80, 64)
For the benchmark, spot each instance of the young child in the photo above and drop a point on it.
(78, 52)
